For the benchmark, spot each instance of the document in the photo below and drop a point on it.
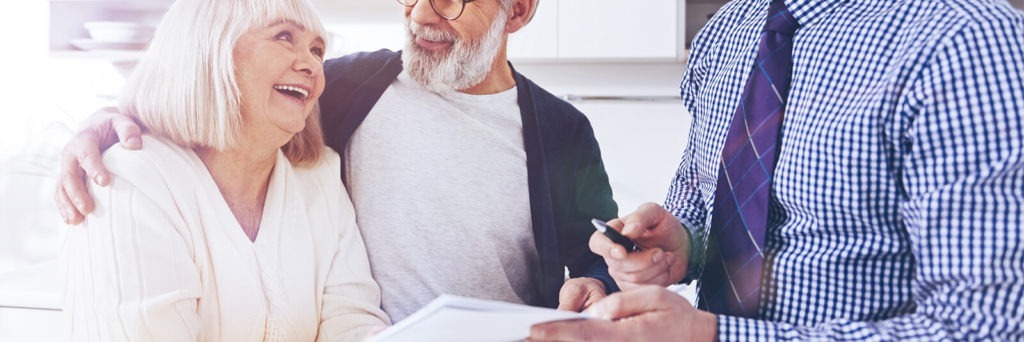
(454, 318)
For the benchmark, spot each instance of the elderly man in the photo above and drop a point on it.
(467, 178)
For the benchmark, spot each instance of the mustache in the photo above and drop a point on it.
(432, 33)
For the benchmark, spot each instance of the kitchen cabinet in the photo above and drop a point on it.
(562, 30)
(618, 29)
(28, 324)
(582, 30)
(538, 40)
(69, 38)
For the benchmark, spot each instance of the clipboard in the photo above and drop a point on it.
(455, 318)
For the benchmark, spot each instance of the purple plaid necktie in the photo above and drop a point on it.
(731, 281)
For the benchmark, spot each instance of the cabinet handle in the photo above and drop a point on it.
(637, 98)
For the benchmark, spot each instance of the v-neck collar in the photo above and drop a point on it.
(273, 207)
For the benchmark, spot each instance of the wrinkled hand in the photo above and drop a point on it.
(665, 248)
(648, 313)
(578, 294)
(81, 159)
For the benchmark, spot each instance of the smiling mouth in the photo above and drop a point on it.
(293, 91)
(431, 44)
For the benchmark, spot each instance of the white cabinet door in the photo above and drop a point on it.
(21, 324)
(618, 28)
(539, 38)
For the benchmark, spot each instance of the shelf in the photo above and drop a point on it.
(109, 55)
(67, 17)
(136, 5)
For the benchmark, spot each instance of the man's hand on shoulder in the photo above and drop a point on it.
(81, 160)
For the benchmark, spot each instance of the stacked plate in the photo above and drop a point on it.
(115, 35)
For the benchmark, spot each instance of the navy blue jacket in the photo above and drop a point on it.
(567, 180)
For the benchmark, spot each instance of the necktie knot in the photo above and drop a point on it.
(780, 19)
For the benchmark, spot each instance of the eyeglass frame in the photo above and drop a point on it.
(461, 9)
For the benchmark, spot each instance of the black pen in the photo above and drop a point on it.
(614, 235)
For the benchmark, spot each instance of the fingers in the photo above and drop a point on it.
(579, 293)
(575, 330)
(645, 216)
(128, 131)
(642, 270)
(572, 296)
(649, 266)
(652, 226)
(81, 161)
(73, 200)
(592, 298)
(644, 299)
(69, 214)
(91, 161)
(603, 246)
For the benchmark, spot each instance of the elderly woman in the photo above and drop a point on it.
(233, 223)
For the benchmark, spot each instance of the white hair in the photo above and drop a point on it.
(184, 87)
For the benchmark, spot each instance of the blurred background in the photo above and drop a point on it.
(618, 61)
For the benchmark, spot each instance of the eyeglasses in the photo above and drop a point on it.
(448, 9)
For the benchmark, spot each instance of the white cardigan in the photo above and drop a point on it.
(163, 258)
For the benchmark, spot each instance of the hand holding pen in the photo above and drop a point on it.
(614, 235)
(661, 249)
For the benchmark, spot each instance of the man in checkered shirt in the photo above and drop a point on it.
(897, 200)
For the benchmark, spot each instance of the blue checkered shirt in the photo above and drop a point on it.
(898, 198)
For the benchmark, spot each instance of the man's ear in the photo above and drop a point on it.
(520, 14)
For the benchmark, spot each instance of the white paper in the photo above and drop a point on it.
(454, 318)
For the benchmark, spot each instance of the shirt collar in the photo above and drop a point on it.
(807, 12)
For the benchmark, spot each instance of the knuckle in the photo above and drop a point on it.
(67, 183)
(60, 198)
(619, 276)
(539, 332)
(584, 333)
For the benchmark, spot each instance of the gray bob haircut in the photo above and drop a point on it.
(184, 87)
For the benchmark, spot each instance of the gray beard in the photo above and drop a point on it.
(465, 65)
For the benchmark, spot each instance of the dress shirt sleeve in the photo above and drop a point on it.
(351, 301)
(684, 198)
(685, 203)
(962, 168)
(130, 271)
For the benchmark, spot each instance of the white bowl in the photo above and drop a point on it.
(118, 31)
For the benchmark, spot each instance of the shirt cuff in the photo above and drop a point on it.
(693, 260)
(731, 328)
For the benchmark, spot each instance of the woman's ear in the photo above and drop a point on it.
(520, 14)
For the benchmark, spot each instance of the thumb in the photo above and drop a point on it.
(624, 304)
(571, 298)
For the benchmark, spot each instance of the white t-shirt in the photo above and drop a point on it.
(439, 184)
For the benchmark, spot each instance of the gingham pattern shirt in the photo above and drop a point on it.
(898, 198)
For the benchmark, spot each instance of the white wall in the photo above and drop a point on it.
(641, 139)
(33, 125)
